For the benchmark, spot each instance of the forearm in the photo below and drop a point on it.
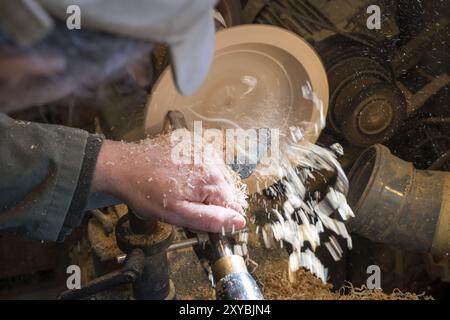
(104, 172)
(110, 170)
(120, 169)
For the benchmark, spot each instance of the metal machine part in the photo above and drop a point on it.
(230, 273)
(425, 141)
(398, 205)
(414, 60)
(145, 243)
(367, 106)
(153, 238)
(174, 246)
(129, 273)
(318, 19)
(233, 281)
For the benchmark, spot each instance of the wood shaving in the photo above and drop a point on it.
(304, 217)
(276, 285)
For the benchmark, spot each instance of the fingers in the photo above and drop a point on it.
(209, 218)
(224, 199)
(236, 207)
(221, 195)
(216, 194)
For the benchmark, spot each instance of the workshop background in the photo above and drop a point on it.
(389, 107)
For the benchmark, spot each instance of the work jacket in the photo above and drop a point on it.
(46, 171)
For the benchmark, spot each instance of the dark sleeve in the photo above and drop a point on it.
(45, 176)
(81, 195)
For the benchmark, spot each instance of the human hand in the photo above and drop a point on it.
(198, 196)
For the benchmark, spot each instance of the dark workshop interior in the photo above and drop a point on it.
(352, 97)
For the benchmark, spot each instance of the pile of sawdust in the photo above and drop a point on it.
(276, 286)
